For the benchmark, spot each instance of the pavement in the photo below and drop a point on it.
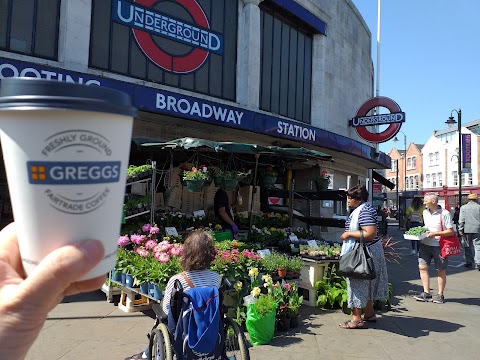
(88, 327)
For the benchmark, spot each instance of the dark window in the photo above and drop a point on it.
(114, 48)
(286, 66)
(30, 27)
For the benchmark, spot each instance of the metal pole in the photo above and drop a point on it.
(405, 163)
(398, 200)
(459, 112)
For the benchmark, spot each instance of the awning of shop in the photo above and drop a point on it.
(382, 180)
(234, 147)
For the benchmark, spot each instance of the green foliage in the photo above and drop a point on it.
(417, 230)
(295, 264)
(332, 290)
(294, 301)
(133, 170)
(264, 305)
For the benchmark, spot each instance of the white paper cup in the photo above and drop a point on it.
(66, 149)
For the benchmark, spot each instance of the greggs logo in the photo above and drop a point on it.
(73, 173)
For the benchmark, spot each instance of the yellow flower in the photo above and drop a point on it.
(273, 229)
(278, 215)
(253, 273)
(218, 227)
(238, 286)
(255, 291)
(167, 238)
(267, 279)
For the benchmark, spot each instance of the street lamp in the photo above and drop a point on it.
(451, 122)
(395, 140)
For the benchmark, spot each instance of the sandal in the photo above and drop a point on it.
(356, 325)
(372, 318)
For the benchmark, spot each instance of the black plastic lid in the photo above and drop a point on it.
(18, 93)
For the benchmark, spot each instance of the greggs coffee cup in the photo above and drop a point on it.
(66, 148)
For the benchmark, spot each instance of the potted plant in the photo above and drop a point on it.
(295, 265)
(321, 181)
(269, 177)
(294, 303)
(196, 178)
(230, 180)
(260, 321)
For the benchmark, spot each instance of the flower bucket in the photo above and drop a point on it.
(321, 185)
(124, 279)
(144, 288)
(283, 324)
(229, 184)
(116, 276)
(282, 272)
(294, 321)
(195, 185)
(269, 181)
(128, 280)
(154, 291)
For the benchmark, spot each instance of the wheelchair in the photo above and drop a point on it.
(160, 345)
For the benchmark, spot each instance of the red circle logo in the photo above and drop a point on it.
(390, 131)
(176, 64)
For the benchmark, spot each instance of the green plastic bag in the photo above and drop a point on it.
(260, 329)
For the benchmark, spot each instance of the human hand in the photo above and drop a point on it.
(234, 229)
(345, 235)
(26, 302)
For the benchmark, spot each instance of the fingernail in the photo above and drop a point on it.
(92, 248)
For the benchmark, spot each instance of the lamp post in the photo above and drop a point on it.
(451, 122)
(395, 140)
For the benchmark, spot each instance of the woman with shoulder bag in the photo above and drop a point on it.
(362, 293)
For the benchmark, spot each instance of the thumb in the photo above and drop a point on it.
(58, 270)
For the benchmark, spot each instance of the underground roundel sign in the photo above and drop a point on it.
(394, 119)
(147, 22)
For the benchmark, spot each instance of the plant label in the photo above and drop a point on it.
(171, 231)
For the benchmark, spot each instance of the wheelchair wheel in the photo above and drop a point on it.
(235, 341)
(160, 347)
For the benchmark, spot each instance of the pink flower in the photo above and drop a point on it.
(164, 246)
(137, 239)
(142, 252)
(150, 244)
(146, 227)
(123, 240)
(287, 286)
(176, 250)
(154, 230)
(163, 258)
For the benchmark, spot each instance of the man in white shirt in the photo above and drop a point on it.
(430, 248)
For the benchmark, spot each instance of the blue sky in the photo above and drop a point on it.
(429, 61)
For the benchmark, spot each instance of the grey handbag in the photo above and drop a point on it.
(357, 263)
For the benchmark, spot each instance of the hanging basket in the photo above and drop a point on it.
(229, 184)
(321, 185)
(269, 181)
(217, 180)
(195, 185)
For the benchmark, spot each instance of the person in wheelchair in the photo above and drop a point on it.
(198, 253)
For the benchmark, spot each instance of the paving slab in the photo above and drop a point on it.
(88, 327)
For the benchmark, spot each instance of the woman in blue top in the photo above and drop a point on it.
(362, 293)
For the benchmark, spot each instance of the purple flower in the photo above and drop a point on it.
(142, 252)
(150, 244)
(154, 230)
(123, 240)
(146, 227)
(137, 239)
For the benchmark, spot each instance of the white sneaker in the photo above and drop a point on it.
(413, 252)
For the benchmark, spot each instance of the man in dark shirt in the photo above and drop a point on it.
(223, 212)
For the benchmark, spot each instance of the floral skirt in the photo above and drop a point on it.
(361, 291)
